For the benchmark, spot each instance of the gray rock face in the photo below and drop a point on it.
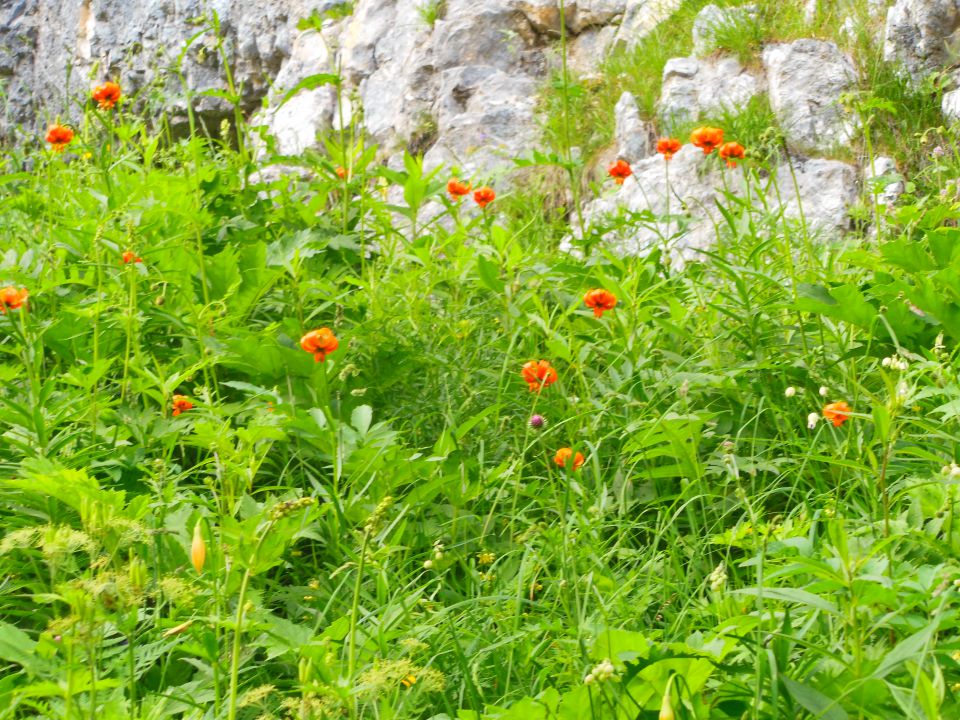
(921, 33)
(694, 87)
(634, 136)
(824, 192)
(882, 172)
(137, 42)
(684, 215)
(640, 17)
(805, 80)
(711, 22)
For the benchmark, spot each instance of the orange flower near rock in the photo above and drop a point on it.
(130, 257)
(538, 374)
(668, 147)
(730, 152)
(483, 196)
(600, 301)
(837, 413)
(181, 403)
(457, 189)
(619, 171)
(11, 297)
(106, 95)
(59, 137)
(562, 458)
(320, 342)
(707, 139)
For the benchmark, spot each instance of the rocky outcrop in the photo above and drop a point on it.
(805, 81)
(634, 136)
(675, 204)
(713, 21)
(52, 51)
(693, 88)
(921, 35)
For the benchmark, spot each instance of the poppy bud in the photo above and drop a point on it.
(666, 709)
(198, 551)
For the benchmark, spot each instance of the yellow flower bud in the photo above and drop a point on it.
(666, 709)
(198, 551)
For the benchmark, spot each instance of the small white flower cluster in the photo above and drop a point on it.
(437, 555)
(601, 673)
(823, 391)
(790, 391)
(952, 470)
(895, 363)
(812, 420)
(718, 578)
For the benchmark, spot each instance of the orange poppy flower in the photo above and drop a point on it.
(837, 413)
(484, 196)
(341, 172)
(59, 137)
(707, 139)
(600, 301)
(538, 374)
(12, 298)
(320, 342)
(106, 95)
(181, 403)
(731, 151)
(562, 458)
(619, 171)
(130, 257)
(457, 189)
(668, 147)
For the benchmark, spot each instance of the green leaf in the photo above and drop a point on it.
(489, 274)
(813, 701)
(311, 82)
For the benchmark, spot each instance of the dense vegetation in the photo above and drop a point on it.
(273, 446)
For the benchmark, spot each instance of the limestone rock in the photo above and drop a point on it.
(711, 21)
(694, 87)
(824, 192)
(485, 118)
(683, 215)
(640, 17)
(587, 48)
(922, 34)
(805, 80)
(889, 184)
(634, 136)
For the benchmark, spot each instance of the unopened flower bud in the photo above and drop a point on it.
(198, 550)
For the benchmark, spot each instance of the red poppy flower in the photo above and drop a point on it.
(731, 151)
(130, 257)
(457, 189)
(181, 403)
(106, 95)
(707, 139)
(562, 458)
(600, 301)
(484, 196)
(12, 298)
(538, 374)
(619, 171)
(341, 172)
(837, 413)
(320, 342)
(668, 147)
(59, 137)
